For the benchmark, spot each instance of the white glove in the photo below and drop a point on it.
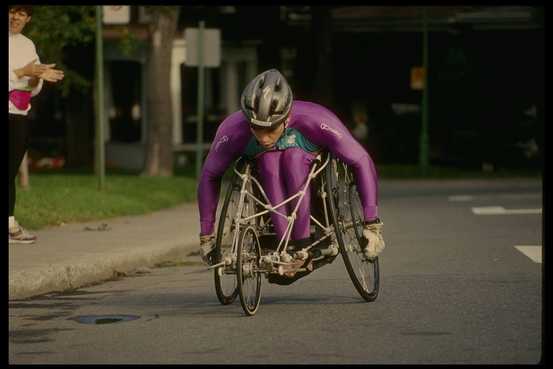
(207, 246)
(373, 234)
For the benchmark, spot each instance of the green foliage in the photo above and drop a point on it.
(53, 28)
(128, 43)
(405, 171)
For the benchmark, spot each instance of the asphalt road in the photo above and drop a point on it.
(454, 290)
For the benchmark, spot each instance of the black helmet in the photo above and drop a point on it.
(267, 99)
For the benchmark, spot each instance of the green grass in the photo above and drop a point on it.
(398, 171)
(56, 198)
(73, 196)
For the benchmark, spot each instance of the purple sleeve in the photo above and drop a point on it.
(229, 143)
(323, 128)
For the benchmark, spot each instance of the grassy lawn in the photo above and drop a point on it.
(56, 198)
(69, 196)
(397, 171)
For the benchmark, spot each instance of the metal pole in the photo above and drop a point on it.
(200, 114)
(423, 153)
(100, 164)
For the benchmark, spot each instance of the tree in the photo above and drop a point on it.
(54, 30)
(159, 142)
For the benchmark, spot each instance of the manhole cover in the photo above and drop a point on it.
(104, 319)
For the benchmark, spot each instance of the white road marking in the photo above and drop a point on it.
(460, 198)
(511, 196)
(500, 210)
(533, 252)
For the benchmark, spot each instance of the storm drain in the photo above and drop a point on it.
(104, 319)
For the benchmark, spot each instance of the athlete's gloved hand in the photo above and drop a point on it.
(207, 249)
(372, 231)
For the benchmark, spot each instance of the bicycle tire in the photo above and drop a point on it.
(247, 268)
(368, 291)
(224, 295)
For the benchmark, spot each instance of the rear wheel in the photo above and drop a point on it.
(248, 271)
(347, 217)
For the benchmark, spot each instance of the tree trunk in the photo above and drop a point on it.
(159, 140)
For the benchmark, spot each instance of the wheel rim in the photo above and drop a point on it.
(365, 269)
(248, 275)
(364, 273)
(225, 280)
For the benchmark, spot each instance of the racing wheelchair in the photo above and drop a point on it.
(247, 249)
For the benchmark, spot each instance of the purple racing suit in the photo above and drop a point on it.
(282, 172)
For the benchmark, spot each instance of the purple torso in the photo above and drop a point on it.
(317, 124)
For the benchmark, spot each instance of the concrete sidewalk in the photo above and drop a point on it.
(79, 254)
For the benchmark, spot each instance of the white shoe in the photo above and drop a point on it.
(18, 234)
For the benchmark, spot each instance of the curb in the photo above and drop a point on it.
(72, 274)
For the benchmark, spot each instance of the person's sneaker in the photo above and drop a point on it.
(19, 235)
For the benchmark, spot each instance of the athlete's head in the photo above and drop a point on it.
(267, 99)
(266, 102)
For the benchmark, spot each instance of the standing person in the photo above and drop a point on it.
(283, 136)
(26, 76)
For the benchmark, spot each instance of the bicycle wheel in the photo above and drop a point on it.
(225, 282)
(347, 217)
(248, 273)
(366, 270)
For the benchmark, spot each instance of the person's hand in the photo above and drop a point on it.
(207, 248)
(373, 234)
(32, 69)
(52, 75)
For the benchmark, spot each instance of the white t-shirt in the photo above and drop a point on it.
(22, 51)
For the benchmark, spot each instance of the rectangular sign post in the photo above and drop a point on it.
(423, 153)
(203, 49)
(100, 162)
(116, 14)
(200, 109)
(111, 14)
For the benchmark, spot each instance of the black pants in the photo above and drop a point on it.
(19, 130)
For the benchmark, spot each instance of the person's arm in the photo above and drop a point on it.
(36, 82)
(14, 81)
(229, 143)
(323, 128)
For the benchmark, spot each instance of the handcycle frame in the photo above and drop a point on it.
(254, 223)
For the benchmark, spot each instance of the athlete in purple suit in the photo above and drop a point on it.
(283, 136)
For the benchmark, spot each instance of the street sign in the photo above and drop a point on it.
(417, 78)
(211, 47)
(116, 14)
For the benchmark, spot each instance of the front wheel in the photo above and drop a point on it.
(248, 271)
(225, 283)
(347, 217)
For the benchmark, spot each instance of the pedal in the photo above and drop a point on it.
(289, 270)
(319, 253)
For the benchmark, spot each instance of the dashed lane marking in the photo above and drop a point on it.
(460, 198)
(533, 252)
(500, 210)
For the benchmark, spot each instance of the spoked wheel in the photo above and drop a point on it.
(366, 270)
(248, 274)
(225, 281)
(347, 216)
